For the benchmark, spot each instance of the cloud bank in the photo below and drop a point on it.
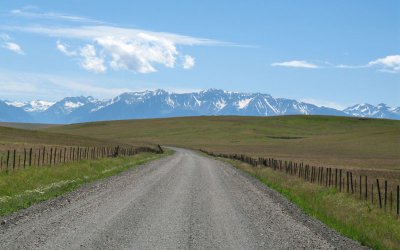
(390, 64)
(135, 50)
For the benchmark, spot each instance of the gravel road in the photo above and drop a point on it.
(184, 201)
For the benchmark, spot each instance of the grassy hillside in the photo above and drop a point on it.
(26, 125)
(14, 138)
(331, 141)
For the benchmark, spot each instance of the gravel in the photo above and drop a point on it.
(184, 201)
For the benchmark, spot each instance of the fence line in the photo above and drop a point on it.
(60, 155)
(324, 176)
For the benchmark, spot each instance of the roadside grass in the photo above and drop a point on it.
(354, 218)
(23, 188)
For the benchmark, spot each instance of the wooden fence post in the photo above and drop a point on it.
(351, 182)
(379, 193)
(14, 159)
(398, 200)
(65, 152)
(55, 156)
(24, 157)
(385, 194)
(30, 157)
(51, 156)
(336, 178)
(8, 159)
(43, 156)
(38, 159)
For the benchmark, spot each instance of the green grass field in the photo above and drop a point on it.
(30, 126)
(20, 138)
(318, 140)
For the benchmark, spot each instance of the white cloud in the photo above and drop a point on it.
(387, 64)
(390, 64)
(188, 62)
(90, 61)
(344, 66)
(64, 48)
(33, 13)
(14, 47)
(139, 55)
(136, 50)
(7, 44)
(93, 32)
(296, 64)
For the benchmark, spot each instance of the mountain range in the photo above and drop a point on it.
(160, 103)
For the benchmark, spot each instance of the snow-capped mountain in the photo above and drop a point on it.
(32, 106)
(160, 103)
(368, 110)
(9, 113)
(67, 110)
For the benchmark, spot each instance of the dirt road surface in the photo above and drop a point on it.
(183, 201)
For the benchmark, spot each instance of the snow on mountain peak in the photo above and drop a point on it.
(16, 104)
(73, 105)
(220, 104)
(39, 105)
(241, 104)
(32, 106)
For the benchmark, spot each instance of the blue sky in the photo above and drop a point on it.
(332, 53)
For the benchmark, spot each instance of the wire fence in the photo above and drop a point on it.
(374, 190)
(14, 159)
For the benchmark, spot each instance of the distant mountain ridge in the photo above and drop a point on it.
(160, 103)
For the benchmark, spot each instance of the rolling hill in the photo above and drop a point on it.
(327, 140)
